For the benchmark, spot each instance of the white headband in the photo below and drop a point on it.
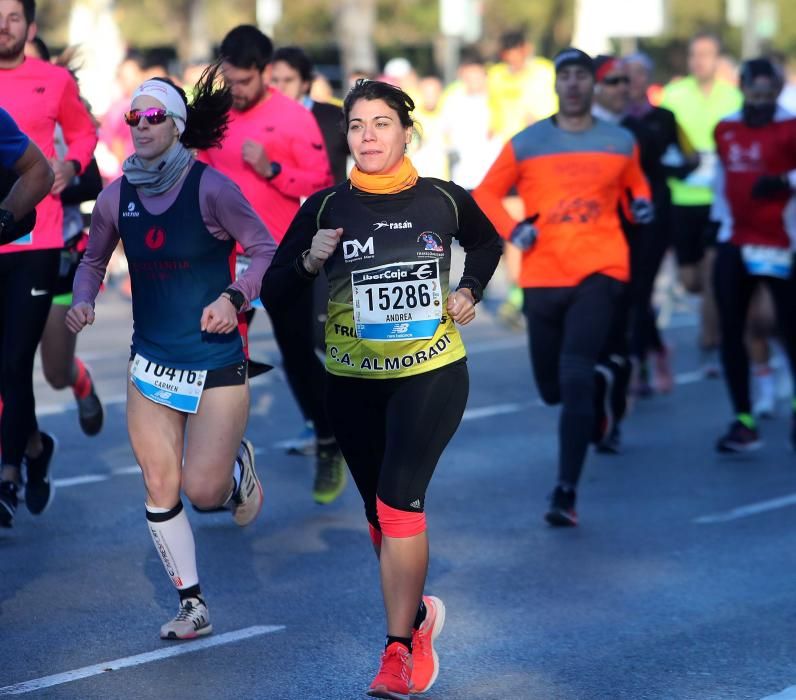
(168, 97)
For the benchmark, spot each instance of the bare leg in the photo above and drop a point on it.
(214, 436)
(156, 436)
(404, 566)
(709, 323)
(58, 349)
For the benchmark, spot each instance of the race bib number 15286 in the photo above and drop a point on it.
(397, 301)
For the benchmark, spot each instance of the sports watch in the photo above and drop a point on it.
(473, 286)
(235, 296)
(276, 168)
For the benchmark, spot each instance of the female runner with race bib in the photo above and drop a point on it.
(188, 396)
(397, 381)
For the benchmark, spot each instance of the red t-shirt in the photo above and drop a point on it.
(746, 153)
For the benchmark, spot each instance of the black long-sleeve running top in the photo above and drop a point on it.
(389, 276)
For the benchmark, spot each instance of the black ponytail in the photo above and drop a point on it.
(208, 112)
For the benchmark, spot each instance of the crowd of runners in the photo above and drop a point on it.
(245, 188)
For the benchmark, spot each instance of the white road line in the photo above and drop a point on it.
(123, 471)
(138, 659)
(787, 694)
(498, 410)
(747, 511)
(79, 480)
(53, 409)
(505, 408)
(689, 377)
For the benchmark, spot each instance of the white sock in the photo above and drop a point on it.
(173, 538)
(236, 476)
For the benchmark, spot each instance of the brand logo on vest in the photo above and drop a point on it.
(391, 224)
(354, 250)
(131, 211)
(155, 238)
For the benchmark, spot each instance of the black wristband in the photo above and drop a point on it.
(76, 163)
(236, 297)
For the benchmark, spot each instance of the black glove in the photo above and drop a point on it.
(641, 208)
(524, 234)
(643, 211)
(770, 186)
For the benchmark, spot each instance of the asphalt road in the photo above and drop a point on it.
(679, 583)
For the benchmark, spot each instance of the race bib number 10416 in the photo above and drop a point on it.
(180, 389)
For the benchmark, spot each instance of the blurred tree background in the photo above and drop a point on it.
(410, 27)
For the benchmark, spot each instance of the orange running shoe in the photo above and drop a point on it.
(394, 678)
(425, 662)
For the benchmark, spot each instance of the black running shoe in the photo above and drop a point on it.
(39, 490)
(8, 503)
(89, 412)
(562, 508)
(603, 405)
(738, 439)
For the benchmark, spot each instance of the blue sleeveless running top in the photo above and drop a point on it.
(177, 267)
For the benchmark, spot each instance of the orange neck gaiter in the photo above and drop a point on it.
(390, 183)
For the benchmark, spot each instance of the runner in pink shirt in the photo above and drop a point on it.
(275, 152)
(38, 95)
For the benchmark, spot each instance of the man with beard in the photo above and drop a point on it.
(572, 172)
(38, 95)
(275, 153)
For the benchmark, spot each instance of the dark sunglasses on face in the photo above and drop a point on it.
(153, 115)
(616, 80)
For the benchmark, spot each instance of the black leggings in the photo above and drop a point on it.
(294, 331)
(734, 288)
(393, 431)
(647, 248)
(26, 285)
(568, 328)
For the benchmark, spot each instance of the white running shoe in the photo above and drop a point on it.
(764, 392)
(192, 620)
(248, 497)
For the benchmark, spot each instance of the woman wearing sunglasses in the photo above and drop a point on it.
(188, 397)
